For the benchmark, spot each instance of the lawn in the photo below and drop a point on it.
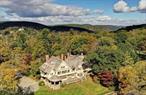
(87, 87)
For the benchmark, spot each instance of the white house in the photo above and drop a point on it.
(62, 70)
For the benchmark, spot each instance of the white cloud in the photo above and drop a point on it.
(49, 13)
(2, 18)
(122, 6)
(142, 5)
(93, 20)
(103, 18)
(41, 8)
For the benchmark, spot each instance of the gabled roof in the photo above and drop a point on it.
(73, 61)
(53, 63)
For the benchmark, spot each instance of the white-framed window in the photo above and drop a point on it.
(62, 66)
(80, 74)
(65, 71)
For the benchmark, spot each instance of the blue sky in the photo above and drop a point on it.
(106, 5)
(111, 12)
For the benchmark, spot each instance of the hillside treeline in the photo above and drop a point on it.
(116, 58)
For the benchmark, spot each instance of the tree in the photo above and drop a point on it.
(132, 78)
(105, 58)
(82, 43)
(129, 49)
(37, 47)
(106, 41)
(7, 78)
(20, 40)
(106, 78)
(121, 37)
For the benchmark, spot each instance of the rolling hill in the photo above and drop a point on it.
(58, 28)
(96, 27)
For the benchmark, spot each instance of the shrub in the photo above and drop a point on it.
(41, 83)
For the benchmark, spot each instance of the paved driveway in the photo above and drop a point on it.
(28, 85)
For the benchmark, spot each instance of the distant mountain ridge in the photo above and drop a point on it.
(129, 28)
(34, 25)
(97, 27)
(68, 27)
(7, 24)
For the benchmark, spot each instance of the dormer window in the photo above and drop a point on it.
(79, 69)
(62, 66)
(68, 70)
(73, 69)
(59, 73)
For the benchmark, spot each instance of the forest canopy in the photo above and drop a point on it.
(111, 55)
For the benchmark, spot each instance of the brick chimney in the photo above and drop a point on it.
(68, 54)
(82, 54)
(47, 58)
(65, 57)
(62, 56)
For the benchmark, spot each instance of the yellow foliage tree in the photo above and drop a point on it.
(133, 78)
(7, 78)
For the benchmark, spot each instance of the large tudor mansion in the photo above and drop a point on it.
(58, 70)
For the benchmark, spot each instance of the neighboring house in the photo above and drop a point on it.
(21, 29)
(62, 70)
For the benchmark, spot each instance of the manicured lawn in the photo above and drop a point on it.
(87, 87)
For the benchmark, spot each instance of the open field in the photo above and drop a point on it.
(87, 87)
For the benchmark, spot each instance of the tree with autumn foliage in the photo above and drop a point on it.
(7, 78)
(106, 78)
(132, 78)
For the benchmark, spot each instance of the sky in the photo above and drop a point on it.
(95, 12)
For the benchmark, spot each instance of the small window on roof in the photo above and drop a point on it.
(59, 73)
(68, 70)
(73, 69)
(62, 66)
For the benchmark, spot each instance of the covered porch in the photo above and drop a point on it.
(54, 82)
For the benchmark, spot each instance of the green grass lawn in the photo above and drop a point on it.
(87, 87)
